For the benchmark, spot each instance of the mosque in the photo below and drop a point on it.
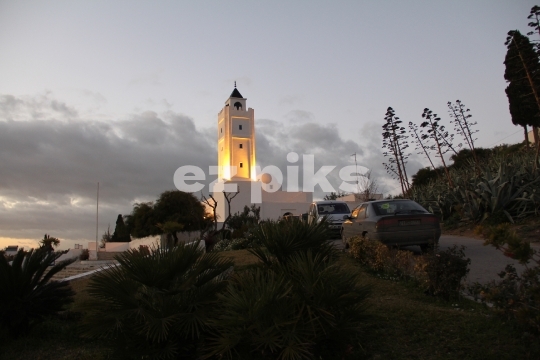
(238, 174)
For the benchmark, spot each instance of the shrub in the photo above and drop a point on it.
(440, 274)
(85, 254)
(27, 295)
(514, 296)
(379, 258)
(305, 308)
(278, 241)
(445, 272)
(156, 305)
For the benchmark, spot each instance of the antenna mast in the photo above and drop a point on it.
(356, 167)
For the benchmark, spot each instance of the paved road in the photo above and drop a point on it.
(486, 261)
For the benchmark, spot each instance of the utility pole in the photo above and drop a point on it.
(356, 169)
(97, 218)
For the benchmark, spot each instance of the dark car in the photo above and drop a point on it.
(394, 223)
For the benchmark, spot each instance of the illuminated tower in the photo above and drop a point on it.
(236, 139)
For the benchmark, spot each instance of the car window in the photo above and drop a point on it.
(368, 212)
(396, 207)
(362, 212)
(326, 209)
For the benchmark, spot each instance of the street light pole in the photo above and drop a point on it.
(97, 219)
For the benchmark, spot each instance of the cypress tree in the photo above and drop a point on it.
(523, 74)
(121, 233)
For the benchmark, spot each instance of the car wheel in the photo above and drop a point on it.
(427, 248)
(344, 241)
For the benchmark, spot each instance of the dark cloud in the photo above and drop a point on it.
(52, 160)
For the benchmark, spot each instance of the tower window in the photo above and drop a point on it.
(222, 130)
(241, 165)
(240, 127)
(241, 146)
(237, 105)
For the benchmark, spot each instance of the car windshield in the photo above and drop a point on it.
(398, 207)
(326, 209)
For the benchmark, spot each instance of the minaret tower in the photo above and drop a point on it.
(236, 139)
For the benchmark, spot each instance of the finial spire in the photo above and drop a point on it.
(235, 84)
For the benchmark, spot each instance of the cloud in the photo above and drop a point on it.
(299, 116)
(52, 159)
(50, 169)
(290, 100)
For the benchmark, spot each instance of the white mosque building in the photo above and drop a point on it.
(237, 168)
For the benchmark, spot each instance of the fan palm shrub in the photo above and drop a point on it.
(156, 305)
(304, 308)
(27, 294)
(277, 241)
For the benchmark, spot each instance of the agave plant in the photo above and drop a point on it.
(305, 308)
(27, 294)
(505, 185)
(156, 305)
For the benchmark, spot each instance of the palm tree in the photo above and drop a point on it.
(26, 293)
(48, 242)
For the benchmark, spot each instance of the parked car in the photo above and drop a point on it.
(394, 223)
(334, 211)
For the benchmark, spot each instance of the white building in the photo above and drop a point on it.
(237, 168)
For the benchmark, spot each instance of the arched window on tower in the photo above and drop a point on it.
(237, 105)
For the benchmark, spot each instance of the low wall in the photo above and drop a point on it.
(72, 253)
(116, 246)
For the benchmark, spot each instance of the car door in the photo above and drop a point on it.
(353, 225)
(360, 220)
(370, 220)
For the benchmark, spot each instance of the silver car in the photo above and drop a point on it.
(334, 211)
(394, 223)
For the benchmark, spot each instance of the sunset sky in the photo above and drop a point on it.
(125, 92)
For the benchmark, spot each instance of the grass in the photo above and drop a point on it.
(402, 323)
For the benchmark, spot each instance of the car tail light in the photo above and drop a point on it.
(385, 223)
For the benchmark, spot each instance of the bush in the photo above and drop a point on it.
(514, 296)
(85, 254)
(27, 295)
(440, 274)
(306, 308)
(379, 258)
(276, 242)
(445, 272)
(156, 305)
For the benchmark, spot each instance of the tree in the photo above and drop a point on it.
(173, 212)
(48, 242)
(419, 139)
(106, 237)
(438, 134)
(141, 222)
(395, 143)
(369, 186)
(121, 232)
(212, 204)
(463, 125)
(335, 196)
(523, 75)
